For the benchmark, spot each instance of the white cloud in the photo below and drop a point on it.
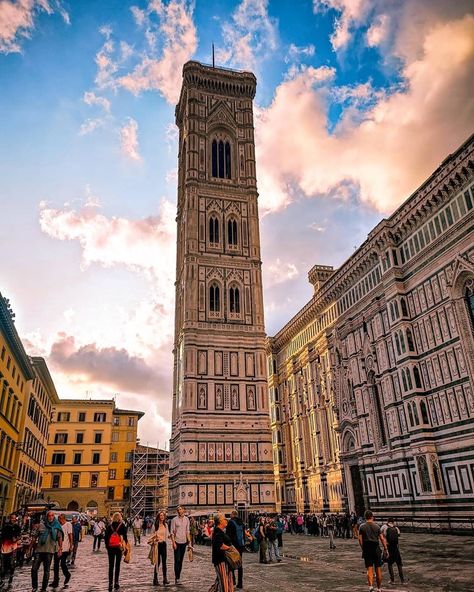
(296, 51)
(177, 35)
(385, 143)
(90, 125)
(17, 20)
(90, 98)
(378, 30)
(351, 14)
(129, 140)
(278, 272)
(249, 37)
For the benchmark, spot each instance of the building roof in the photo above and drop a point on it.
(129, 412)
(7, 326)
(41, 369)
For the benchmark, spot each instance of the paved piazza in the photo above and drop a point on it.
(432, 563)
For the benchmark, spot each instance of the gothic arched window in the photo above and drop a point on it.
(404, 380)
(227, 160)
(231, 232)
(402, 342)
(416, 375)
(214, 158)
(221, 159)
(415, 414)
(469, 296)
(409, 380)
(411, 345)
(397, 343)
(410, 415)
(213, 230)
(234, 300)
(214, 298)
(424, 412)
(404, 307)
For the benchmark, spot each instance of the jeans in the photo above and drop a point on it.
(273, 550)
(136, 536)
(74, 552)
(8, 565)
(115, 557)
(240, 570)
(263, 551)
(45, 559)
(179, 554)
(61, 561)
(161, 559)
(97, 541)
(331, 539)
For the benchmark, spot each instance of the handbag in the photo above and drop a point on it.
(233, 557)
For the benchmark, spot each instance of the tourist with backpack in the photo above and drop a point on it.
(262, 540)
(271, 535)
(115, 538)
(392, 534)
(235, 530)
(370, 535)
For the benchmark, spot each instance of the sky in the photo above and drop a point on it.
(358, 101)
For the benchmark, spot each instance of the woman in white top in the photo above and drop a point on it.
(158, 549)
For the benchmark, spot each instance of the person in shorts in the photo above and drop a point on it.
(370, 537)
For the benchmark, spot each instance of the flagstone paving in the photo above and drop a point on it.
(433, 563)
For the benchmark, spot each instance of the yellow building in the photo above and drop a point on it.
(35, 430)
(81, 453)
(15, 373)
(124, 441)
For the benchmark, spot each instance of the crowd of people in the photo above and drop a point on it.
(51, 542)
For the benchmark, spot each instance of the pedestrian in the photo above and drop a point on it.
(158, 551)
(392, 535)
(98, 528)
(236, 532)
(115, 538)
(330, 527)
(262, 541)
(24, 544)
(76, 538)
(9, 537)
(48, 537)
(137, 528)
(181, 538)
(221, 543)
(62, 554)
(280, 527)
(369, 537)
(271, 536)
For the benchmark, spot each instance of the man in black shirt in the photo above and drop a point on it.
(220, 543)
(9, 537)
(369, 537)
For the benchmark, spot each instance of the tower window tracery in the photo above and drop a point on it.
(213, 230)
(221, 159)
(232, 238)
(214, 298)
(234, 300)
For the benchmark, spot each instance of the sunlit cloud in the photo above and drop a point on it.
(129, 140)
(17, 20)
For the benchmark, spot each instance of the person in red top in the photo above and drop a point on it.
(9, 537)
(113, 543)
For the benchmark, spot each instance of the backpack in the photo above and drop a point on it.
(114, 540)
(239, 533)
(256, 533)
(391, 534)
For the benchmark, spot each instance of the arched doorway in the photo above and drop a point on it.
(91, 508)
(352, 474)
(72, 506)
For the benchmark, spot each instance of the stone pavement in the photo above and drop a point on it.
(433, 563)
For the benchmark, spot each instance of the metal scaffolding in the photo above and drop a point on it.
(149, 492)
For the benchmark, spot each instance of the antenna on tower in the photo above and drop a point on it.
(213, 56)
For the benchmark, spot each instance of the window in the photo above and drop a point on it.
(417, 377)
(126, 473)
(113, 457)
(415, 414)
(214, 158)
(81, 416)
(468, 200)
(411, 345)
(131, 422)
(77, 458)
(469, 299)
(115, 436)
(98, 438)
(64, 416)
(79, 437)
(424, 412)
(75, 480)
(234, 300)
(112, 474)
(129, 436)
(55, 481)
(60, 438)
(100, 417)
(3, 352)
(221, 159)
(403, 304)
(402, 342)
(110, 493)
(214, 298)
(116, 421)
(232, 232)
(96, 458)
(128, 456)
(213, 230)
(410, 415)
(59, 458)
(126, 492)
(94, 479)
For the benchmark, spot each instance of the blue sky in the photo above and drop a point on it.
(357, 102)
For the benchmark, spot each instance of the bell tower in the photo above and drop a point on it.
(220, 423)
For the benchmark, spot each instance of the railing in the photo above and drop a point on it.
(463, 525)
